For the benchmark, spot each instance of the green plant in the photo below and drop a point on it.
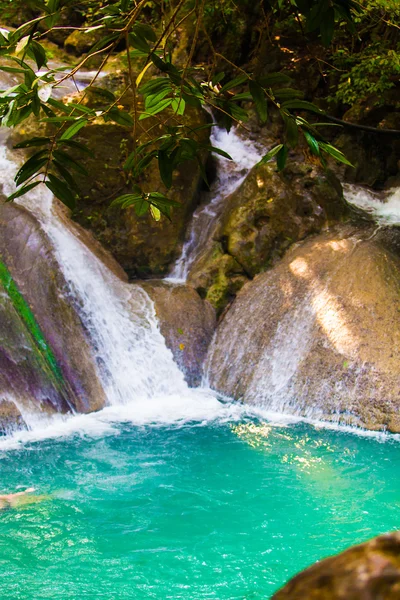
(163, 97)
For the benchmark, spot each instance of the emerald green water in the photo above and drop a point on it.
(218, 510)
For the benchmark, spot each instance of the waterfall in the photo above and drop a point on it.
(245, 154)
(136, 369)
(384, 207)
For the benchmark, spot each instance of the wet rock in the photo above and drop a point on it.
(370, 571)
(187, 324)
(10, 417)
(318, 334)
(29, 257)
(142, 246)
(80, 42)
(269, 212)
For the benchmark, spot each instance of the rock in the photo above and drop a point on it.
(318, 335)
(10, 417)
(261, 220)
(80, 42)
(141, 245)
(187, 324)
(370, 571)
(29, 257)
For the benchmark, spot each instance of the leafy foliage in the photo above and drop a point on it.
(164, 96)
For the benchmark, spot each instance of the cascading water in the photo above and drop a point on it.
(135, 367)
(230, 174)
(384, 207)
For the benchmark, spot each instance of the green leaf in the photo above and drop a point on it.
(327, 26)
(153, 99)
(22, 191)
(163, 104)
(35, 141)
(273, 79)
(73, 129)
(38, 53)
(59, 105)
(218, 151)
(312, 143)
(281, 158)
(61, 190)
(66, 175)
(141, 207)
(139, 41)
(335, 153)
(288, 94)
(57, 119)
(178, 106)
(154, 86)
(127, 200)
(146, 31)
(31, 166)
(302, 105)
(273, 152)
(234, 83)
(76, 145)
(119, 116)
(291, 131)
(166, 167)
(65, 159)
(155, 212)
(105, 41)
(260, 100)
(99, 91)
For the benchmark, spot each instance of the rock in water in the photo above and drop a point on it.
(370, 571)
(28, 254)
(10, 417)
(187, 323)
(318, 335)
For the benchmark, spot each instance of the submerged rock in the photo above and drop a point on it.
(319, 334)
(261, 219)
(370, 571)
(187, 323)
(49, 336)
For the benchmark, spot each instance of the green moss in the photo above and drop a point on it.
(27, 316)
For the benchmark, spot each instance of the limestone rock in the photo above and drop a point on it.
(142, 246)
(29, 257)
(187, 324)
(10, 417)
(319, 334)
(370, 571)
(269, 212)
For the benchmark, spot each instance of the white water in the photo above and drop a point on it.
(383, 206)
(230, 174)
(135, 367)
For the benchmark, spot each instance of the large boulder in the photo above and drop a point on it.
(261, 219)
(370, 571)
(142, 246)
(318, 335)
(48, 316)
(187, 323)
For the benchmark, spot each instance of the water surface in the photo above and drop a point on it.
(224, 510)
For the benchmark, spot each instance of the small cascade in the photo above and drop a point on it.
(384, 207)
(134, 364)
(230, 174)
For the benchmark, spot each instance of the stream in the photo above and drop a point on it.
(173, 492)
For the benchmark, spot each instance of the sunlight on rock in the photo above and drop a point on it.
(300, 268)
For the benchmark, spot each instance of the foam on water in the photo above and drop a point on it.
(134, 364)
(230, 175)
